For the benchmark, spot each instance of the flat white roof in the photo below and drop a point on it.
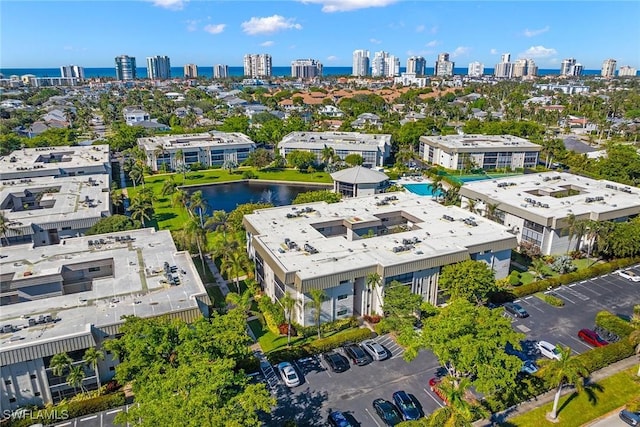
(439, 230)
(135, 288)
(49, 161)
(196, 140)
(549, 196)
(497, 142)
(67, 199)
(337, 140)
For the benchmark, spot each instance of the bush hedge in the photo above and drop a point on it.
(552, 300)
(318, 346)
(613, 323)
(335, 326)
(600, 357)
(586, 273)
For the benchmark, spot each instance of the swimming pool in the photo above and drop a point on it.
(424, 188)
(421, 189)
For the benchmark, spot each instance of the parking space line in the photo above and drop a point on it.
(92, 417)
(529, 297)
(581, 342)
(434, 399)
(68, 423)
(302, 372)
(561, 295)
(371, 416)
(113, 411)
(572, 349)
(326, 368)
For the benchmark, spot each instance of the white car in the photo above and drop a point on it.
(628, 274)
(375, 350)
(548, 350)
(288, 374)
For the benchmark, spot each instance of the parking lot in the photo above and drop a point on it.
(353, 391)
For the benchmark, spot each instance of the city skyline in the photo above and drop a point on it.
(327, 30)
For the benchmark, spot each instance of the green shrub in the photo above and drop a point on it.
(515, 278)
(249, 174)
(613, 323)
(96, 404)
(249, 364)
(383, 327)
(272, 325)
(335, 326)
(552, 300)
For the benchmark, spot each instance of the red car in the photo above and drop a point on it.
(591, 337)
(433, 385)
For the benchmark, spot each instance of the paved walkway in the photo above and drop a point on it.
(498, 419)
(222, 284)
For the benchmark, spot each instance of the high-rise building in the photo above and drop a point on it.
(360, 63)
(569, 67)
(257, 65)
(191, 71)
(608, 68)
(158, 67)
(627, 71)
(504, 69)
(125, 67)
(385, 65)
(416, 65)
(306, 69)
(524, 68)
(72, 71)
(443, 67)
(221, 71)
(476, 69)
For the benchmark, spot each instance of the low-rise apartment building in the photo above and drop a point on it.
(479, 151)
(338, 247)
(537, 207)
(73, 296)
(212, 148)
(374, 148)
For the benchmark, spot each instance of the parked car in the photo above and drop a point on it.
(288, 374)
(387, 412)
(631, 418)
(591, 337)
(548, 350)
(433, 385)
(406, 405)
(516, 310)
(338, 419)
(629, 275)
(529, 367)
(357, 355)
(375, 350)
(337, 362)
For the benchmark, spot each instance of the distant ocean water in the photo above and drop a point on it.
(178, 72)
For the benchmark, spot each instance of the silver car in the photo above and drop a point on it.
(375, 350)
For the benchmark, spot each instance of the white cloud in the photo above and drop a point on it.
(214, 28)
(434, 29)
(420, 28)
(170, 4)
(538, 52)
(332, 58)
(192, 25)
(267, 43)
(375, 41)
(460, 51)
(330, 6)
(493, 51)
(269, 25)
(533, 33)
(432, 43)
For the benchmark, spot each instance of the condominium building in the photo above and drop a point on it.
(360, 63)
(403, 238)
(72, 71)
(221, 71)
(385, 65)
(257, 65)
(125, 67)
(306, 69)
(416, 65)
(374, 148)
(443, 66)
(479, 151)
(73, 296)
(537, 207)
(627, 71)
(158, 67)
(190, 71)
(608, 68)
(504, 69)
(409, 79)
(476, 69)
(524, 68)
(569, 67)
(212, 148)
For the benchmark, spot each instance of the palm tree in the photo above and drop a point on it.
(436, 187)
(75, 377)
(576, 228)
(328, 154)
(288, 303)
(199, 204)
(117, 199)
(373, 281)
(218, 222)
(471, 204)
(141, 210)
(242, 301)
(60, 363)
(6, 227)
(92, 356)
(169, 186)
(538, 268)
(193, 234)
(318, 296)
(458, 410)
(181, 197)
(567, 370)
(179, 159)
(232, 264)
(491, 211)
(159, 151)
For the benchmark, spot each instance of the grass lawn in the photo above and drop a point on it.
(527, 277)
(215, 295)
(206, 275)
(270, 342)
(577, 409)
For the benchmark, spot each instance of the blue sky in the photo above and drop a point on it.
(91, 33)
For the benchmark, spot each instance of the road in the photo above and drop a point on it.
(612, 420)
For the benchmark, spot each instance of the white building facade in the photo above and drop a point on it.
(360, 63)
(257, 65)
(475, 69)
(306, 69)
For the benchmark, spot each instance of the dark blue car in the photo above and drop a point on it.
(338, 419)
(406, 405)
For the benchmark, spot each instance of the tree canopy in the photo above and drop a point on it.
(317, 196)
(301, 159)
(113, 224)
(235, 216)
(472, 280)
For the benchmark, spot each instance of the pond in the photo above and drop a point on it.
(228, 196)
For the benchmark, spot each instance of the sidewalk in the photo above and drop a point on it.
(501, 417)
(222, 284)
